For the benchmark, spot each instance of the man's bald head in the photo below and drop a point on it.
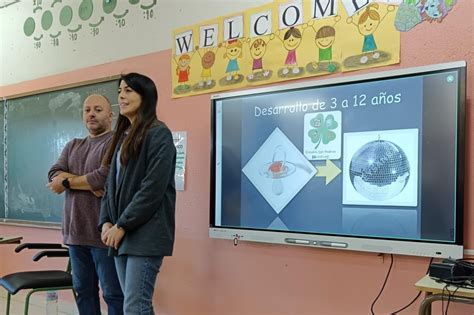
(98, 99)
(97, 114)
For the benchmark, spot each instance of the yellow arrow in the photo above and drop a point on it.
(330, 171)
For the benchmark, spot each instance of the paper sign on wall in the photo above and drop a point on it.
(180, 139)
(281, 41)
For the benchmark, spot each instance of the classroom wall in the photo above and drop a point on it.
(213, 277)
(23, 58)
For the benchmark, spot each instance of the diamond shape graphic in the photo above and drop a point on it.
(278, 170)
(278, 224)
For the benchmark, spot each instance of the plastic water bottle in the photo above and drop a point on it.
(51, 303)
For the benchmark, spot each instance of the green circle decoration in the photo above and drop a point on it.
(29, 26)
(65, 16)
(85, 9)
(109, 5)
(47, 20)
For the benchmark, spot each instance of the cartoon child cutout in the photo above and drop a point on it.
(258, 48)
(291, 41)
(233, 52)
(182, 70)
(207, 61)
(368, 23)
(324, 39)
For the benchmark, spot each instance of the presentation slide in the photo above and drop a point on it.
(343, 159)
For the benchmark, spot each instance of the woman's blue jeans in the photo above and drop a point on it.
(137, 276)
(91, 265)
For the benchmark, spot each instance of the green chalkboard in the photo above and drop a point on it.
(38, 126)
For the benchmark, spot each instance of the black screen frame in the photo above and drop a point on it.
(375, 244)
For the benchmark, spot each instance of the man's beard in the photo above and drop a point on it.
(97, 131)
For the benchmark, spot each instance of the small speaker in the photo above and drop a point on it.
(452, 271)
(441, 271)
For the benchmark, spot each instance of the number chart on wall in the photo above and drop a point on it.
(52, 22)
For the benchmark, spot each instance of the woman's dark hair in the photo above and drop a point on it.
(146, 115)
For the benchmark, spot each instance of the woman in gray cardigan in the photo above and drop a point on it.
(137, 216)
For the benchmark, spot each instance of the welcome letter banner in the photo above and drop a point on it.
(281, 41)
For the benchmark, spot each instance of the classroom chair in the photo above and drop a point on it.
(36, 281)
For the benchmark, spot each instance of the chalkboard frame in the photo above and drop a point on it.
(4, 220)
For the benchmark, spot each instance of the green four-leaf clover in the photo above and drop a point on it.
(322, 129)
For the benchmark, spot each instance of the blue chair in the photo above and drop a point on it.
(37, 281)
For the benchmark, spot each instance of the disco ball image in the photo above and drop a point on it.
(379, 170)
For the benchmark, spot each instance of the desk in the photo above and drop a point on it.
(10, 239)
(434, 292)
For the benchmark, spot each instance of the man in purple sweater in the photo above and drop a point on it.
(80, 173)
